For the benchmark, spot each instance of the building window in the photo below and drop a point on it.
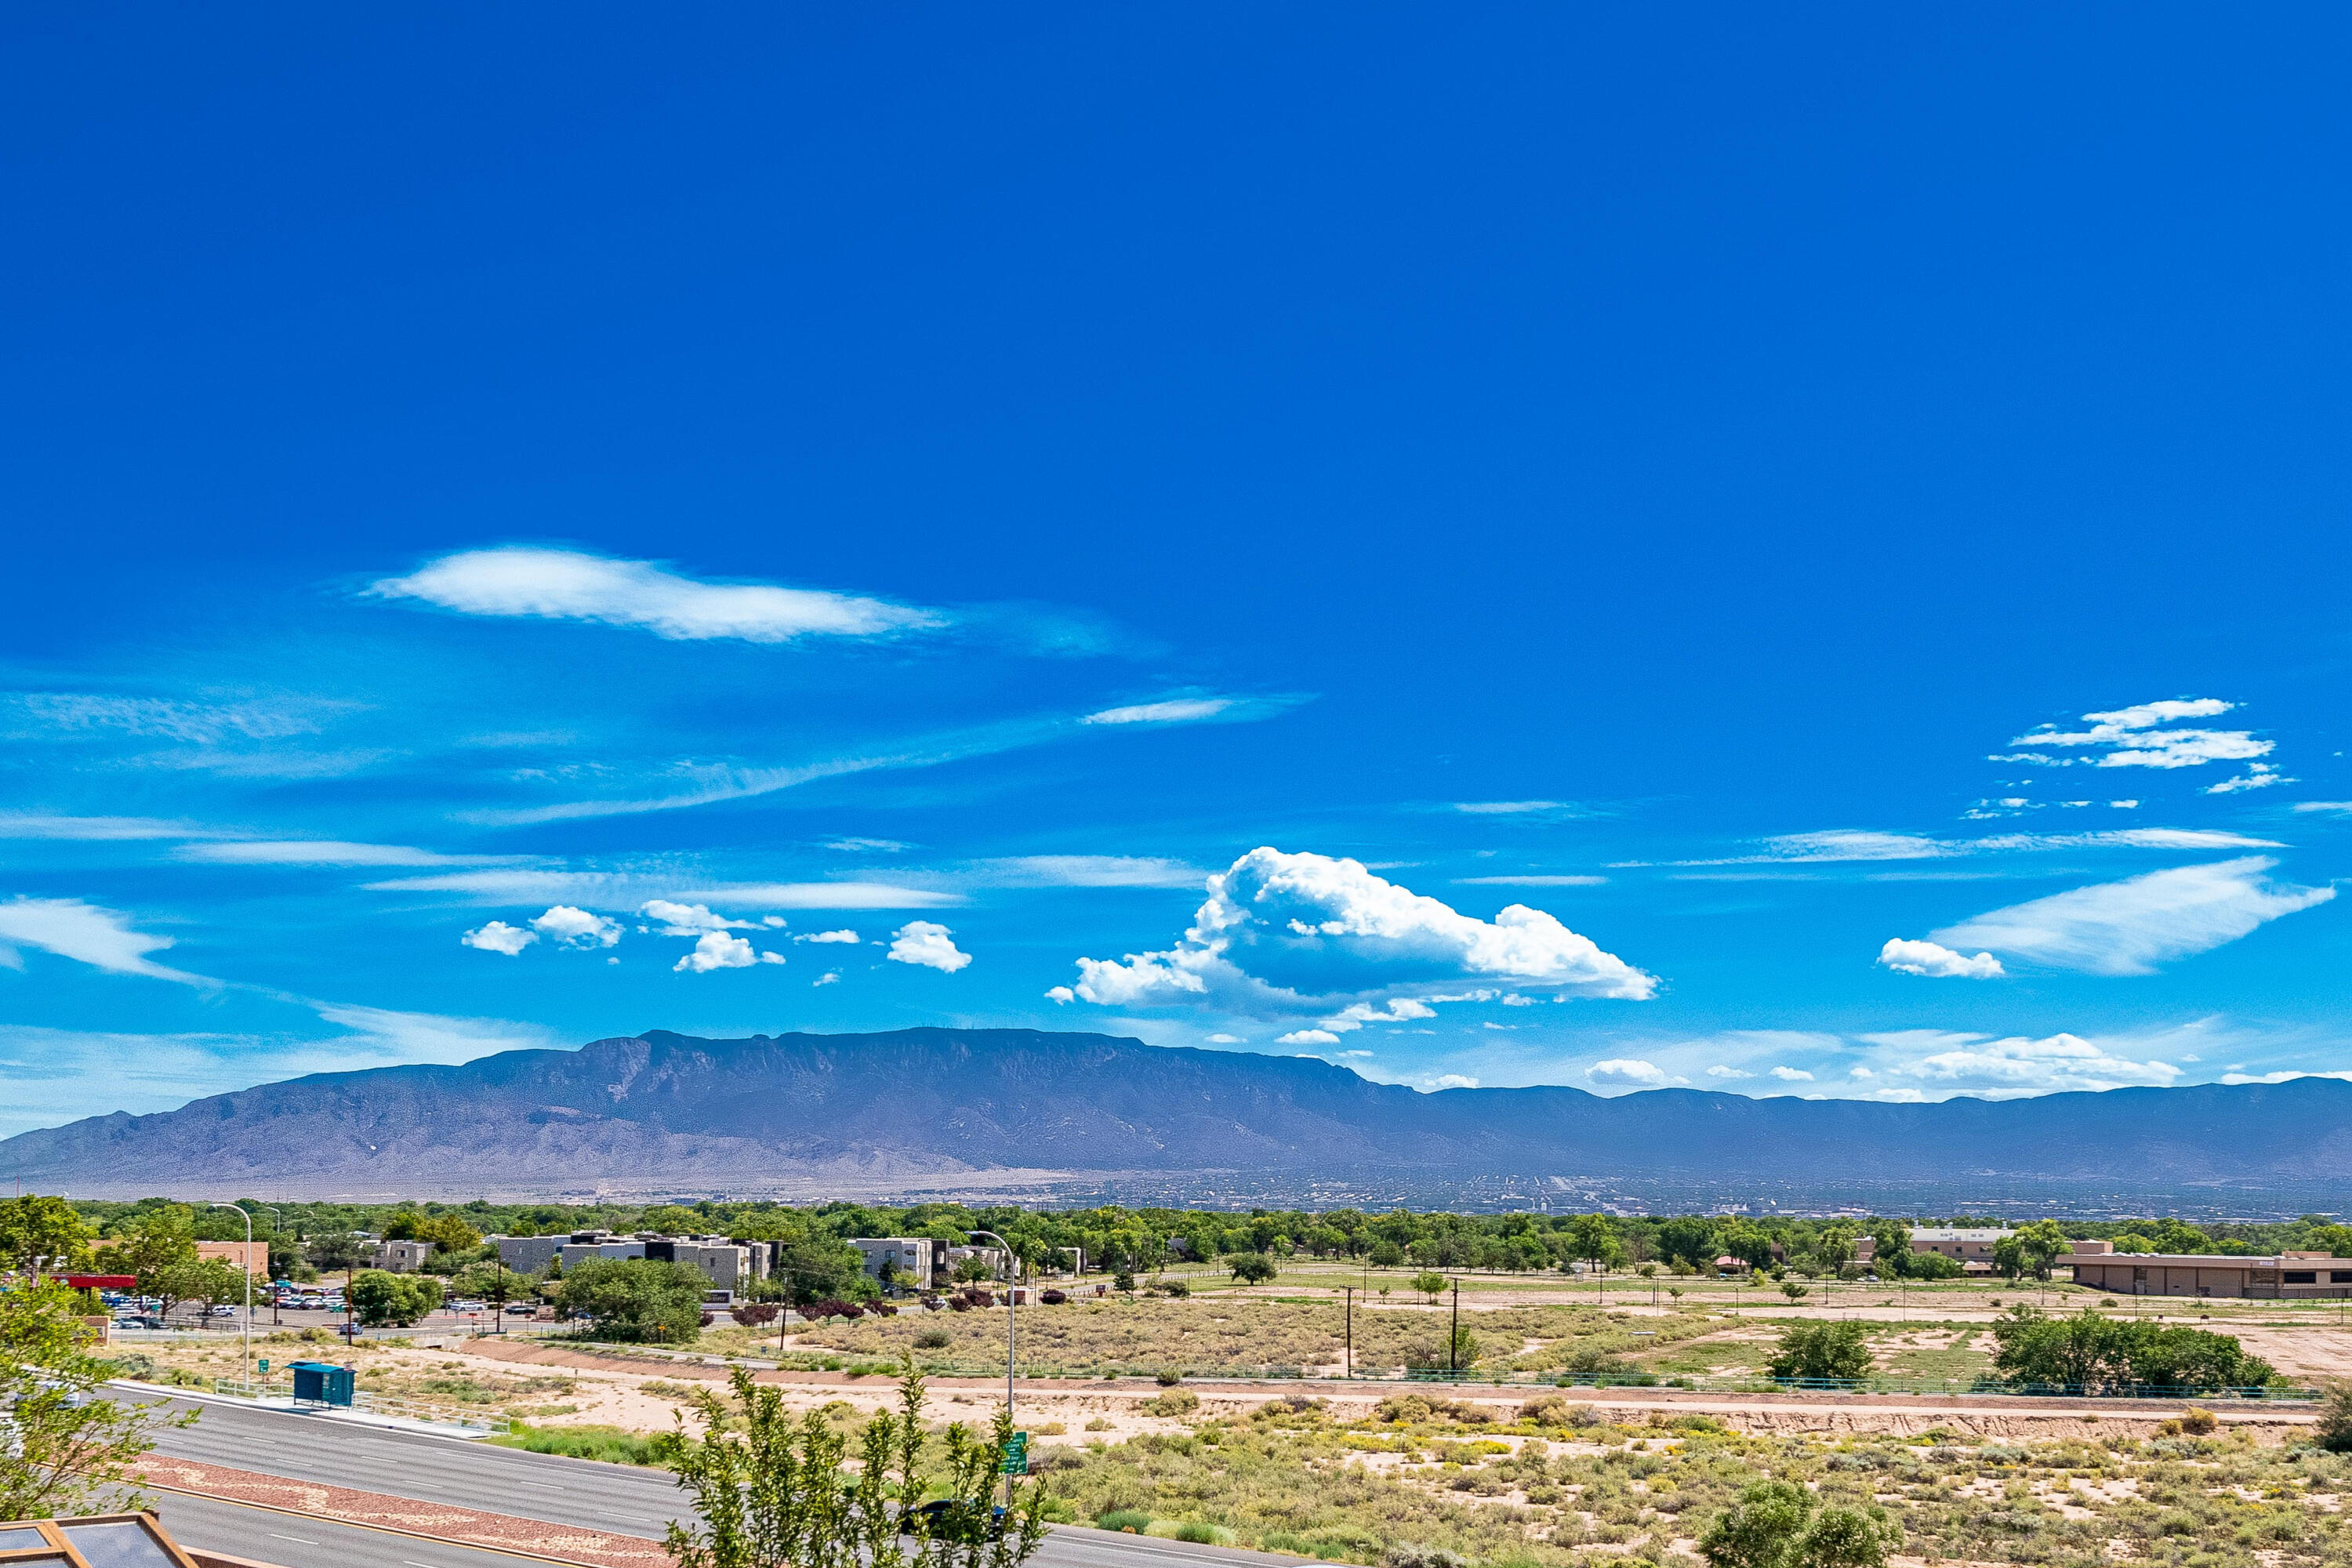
(2302, 1276)
(2340, 1277)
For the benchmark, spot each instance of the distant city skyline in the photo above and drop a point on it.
(1799, 558)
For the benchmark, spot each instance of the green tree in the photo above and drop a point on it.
(2042, 1244)
(157, 1239)
(2009, 1257)
(1592, 1237)
(380, 1299)
(1892, 1254)
(822, 1268)
(1833, 1248)
(771, 1491)
(40, 1227)
(636, 1298)
(1822, 1350)
(1430, 1283)
(2098, 1353)
(1250, 1268)
(449, 1234)
(338, 1250)
(69, 1451)
(1930, 1266)
(1386, 1255)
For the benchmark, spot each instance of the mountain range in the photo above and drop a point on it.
(937, 1109)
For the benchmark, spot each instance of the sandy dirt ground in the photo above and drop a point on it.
(613, 1391)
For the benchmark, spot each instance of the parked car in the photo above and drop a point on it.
(523, 1308)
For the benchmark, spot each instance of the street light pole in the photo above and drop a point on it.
(247, 1261)
(1011, 1262)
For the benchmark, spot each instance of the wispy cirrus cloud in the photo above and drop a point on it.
(326, 852)
(630, 889)
(1089, 871)
(1851, 844)
(97, 829)
(574, 585)
(2131, 926)
(87, 934)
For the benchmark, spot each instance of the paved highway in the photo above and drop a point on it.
(623, 1499)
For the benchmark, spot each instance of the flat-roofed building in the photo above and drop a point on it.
(1963, 1245)
(2288, 1276)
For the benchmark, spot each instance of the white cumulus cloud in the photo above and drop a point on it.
(1295, 933)
(2258, 776)
(577, 928)
(1936, 963)
(1719, 1070)
(2141, 737)
(688, 919)
(929, 943)
(1452, 1081)
(1308, 1037)
(1952, 1062)
(1625, 1071)
(87, 934)
(717, 950)
(570, 584)
(1793, 1075)
(845, 935)
(2131, 926)
(497, 936)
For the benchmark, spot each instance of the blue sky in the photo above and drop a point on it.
(532, 526)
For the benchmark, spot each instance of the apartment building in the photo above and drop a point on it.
(727, 1265)
(916, 1262)
(401, 1256)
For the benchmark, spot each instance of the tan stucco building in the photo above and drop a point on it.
(2287, 1277)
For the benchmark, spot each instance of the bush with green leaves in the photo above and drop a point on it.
(2090, 1351)
(1822, 1350)
(1250, 1268)
(1773, 1525)
(2334, 1427)
(636, 1299)
(769, 1490)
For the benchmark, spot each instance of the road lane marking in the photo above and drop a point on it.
(297, 1540)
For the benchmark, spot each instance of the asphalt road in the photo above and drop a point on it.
(623, 1499)
(271, 1537)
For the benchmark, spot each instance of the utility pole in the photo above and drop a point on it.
(1453, 1335)
(277, 1224)
(1351, 1329)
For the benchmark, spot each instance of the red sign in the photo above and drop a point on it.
(101, 1281)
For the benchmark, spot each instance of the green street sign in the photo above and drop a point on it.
(265, 1363)
(1016, 1454)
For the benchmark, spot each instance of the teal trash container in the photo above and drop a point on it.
(321, 1382)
